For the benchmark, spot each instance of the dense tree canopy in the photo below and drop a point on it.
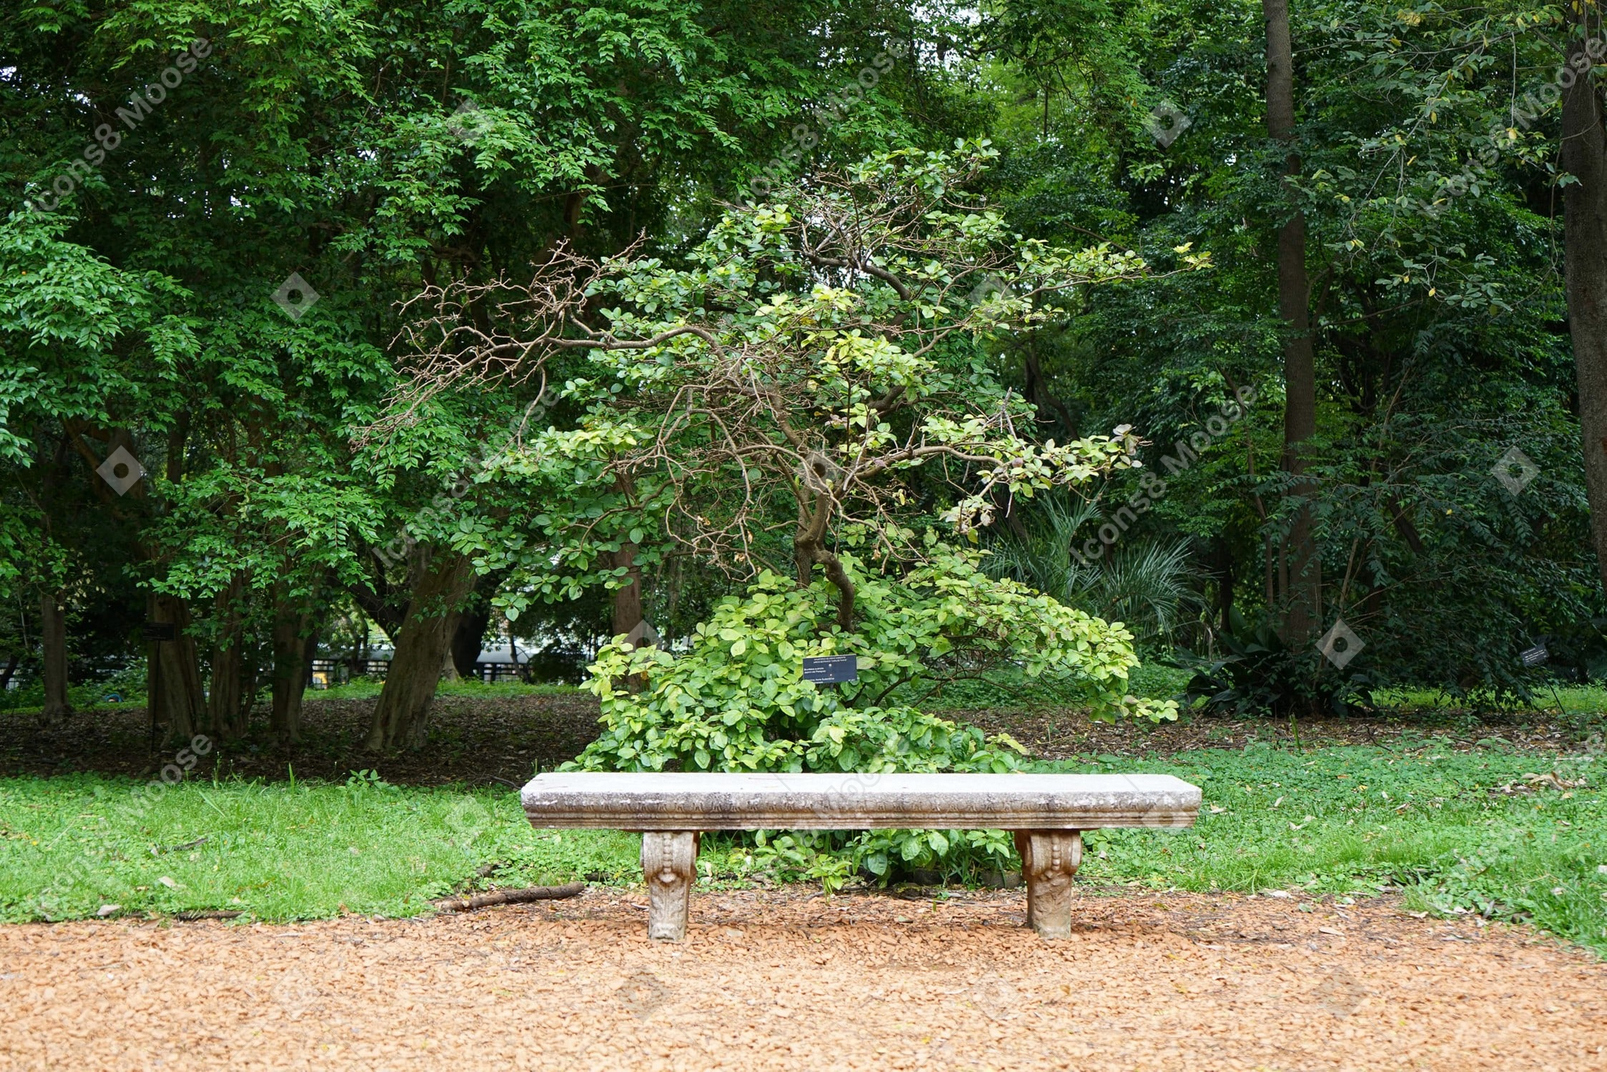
(489, 315)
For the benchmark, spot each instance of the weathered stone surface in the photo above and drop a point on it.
(1036, 802)
(669, 861)
(1048, 812)
(1049, 859)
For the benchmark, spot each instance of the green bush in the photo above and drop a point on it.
(738, 701)
(1258, 674)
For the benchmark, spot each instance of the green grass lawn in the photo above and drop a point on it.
(368, 688)
(1346, 821)
(1351, 821)
(280, 851)
(1584, 704)
(1549, 699)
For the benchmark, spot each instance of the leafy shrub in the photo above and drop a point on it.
(738, 701)
(1578, 650)
(1258, 674)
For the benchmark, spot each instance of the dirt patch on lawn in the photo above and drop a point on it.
(1053, 733)
(788, 979)
(473, 739)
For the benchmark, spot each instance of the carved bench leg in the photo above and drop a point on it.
(1049, 858)
(669, 861)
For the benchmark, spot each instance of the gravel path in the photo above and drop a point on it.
(787, 979)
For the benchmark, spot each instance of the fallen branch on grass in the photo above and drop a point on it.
(1533, 782)
(496, 897)
(193, 916)
(157, 850)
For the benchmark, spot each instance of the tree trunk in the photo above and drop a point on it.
(1036, 388)
(294, 646)
(469, 637)
(174, 694)
(1225, 581)
(381, 602)
(627, 600)
(224, 703)
(809, 551)
(250, 681)
(1584, 156)
(53, 645)
(174, 672)
(1300, 571)
(628, 610)
(401, 718)
(53, 609)
(223, 696)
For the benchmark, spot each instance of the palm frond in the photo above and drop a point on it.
(1148, 585)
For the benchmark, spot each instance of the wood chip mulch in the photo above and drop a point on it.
(789, 979)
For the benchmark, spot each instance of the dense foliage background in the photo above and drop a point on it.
(234, 232)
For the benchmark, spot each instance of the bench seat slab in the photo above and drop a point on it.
(719, 801)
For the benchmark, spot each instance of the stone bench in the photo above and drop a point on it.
(1046, 812)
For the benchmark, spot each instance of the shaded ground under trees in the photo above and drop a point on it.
(479, 740)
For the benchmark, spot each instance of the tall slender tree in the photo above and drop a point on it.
(1584, 157)
(1299, 567)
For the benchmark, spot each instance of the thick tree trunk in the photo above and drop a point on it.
(808, 554)
(1036, 388)
(401, 718)
(627, 600)
(174, 673)
(223, 700)
(469, 637)
(225, 703)
(250, 681)
(174, 693)
(1300, 573)
(1584, 155)
(838, 576)
(628, 609)
(53, 651)
(383, 604)
(294, 645)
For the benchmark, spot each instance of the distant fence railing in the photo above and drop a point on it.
(544, 667)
